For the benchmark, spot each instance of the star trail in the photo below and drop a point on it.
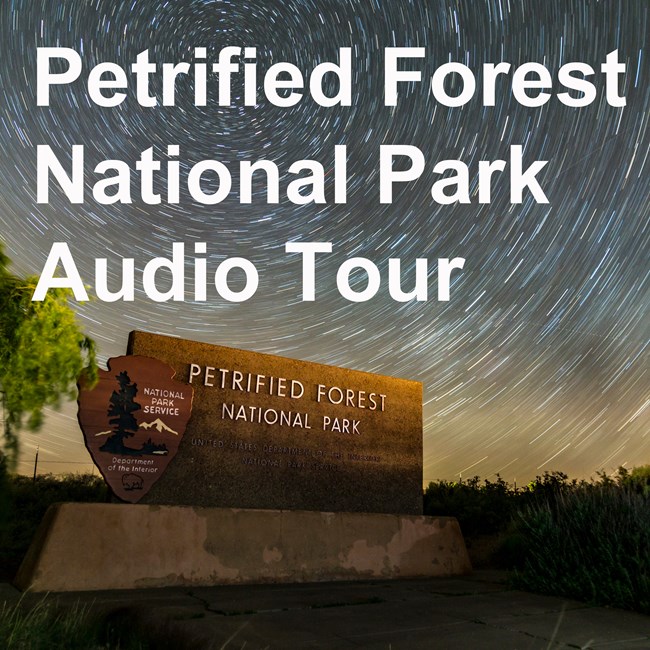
(539, 361)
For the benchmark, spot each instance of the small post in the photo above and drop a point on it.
(35, 464)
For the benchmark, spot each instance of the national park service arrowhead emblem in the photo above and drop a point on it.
(133, 421)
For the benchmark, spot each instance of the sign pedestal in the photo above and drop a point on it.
(94, 546)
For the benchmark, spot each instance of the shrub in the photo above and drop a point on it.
(591, 543)
(23, 503)
(481, 508)
(637, 480)
(588, 540)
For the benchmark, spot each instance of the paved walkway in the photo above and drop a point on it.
(474, 612)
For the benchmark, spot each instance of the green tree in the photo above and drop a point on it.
(43, 353)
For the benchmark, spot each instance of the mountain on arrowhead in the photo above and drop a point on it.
(159, 425)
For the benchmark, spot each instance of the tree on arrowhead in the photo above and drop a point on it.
(43, 353)
(120, 415)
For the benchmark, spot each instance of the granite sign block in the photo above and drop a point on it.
(277, 433)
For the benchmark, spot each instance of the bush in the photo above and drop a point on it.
(23, 503)
(481, 508)
(488, 507)
(638, 480)
(588, 540)
(591, 544)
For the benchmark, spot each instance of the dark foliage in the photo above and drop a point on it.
(588, 540)
(488, 507)
(23, 503)
(480, 507)
(46, 625)
(591, 544)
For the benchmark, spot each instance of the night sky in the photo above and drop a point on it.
(540, 359)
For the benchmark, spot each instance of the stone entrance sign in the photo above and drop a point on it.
(288, 471)
(276, 433)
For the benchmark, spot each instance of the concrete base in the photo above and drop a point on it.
(115, 546)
